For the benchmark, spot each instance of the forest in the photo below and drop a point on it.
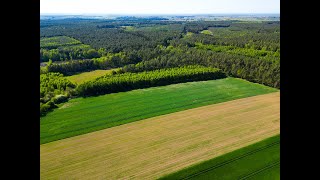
(243, 49)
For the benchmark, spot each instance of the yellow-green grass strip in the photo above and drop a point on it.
(207, 32)
(87, 76)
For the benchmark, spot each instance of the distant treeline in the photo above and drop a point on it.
(104, 34)
(68, 53)
(107, 61)
(133, 18)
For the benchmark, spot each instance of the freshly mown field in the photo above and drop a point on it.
(84, 115)
(87, 76)
(151, 148)
(257, 161)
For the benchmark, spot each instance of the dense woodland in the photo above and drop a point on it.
(248, 50)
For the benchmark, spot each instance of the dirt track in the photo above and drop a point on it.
(156, 146)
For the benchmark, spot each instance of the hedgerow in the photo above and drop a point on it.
(129, 81)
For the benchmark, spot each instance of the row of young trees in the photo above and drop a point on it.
(251, 52)
(72, 67)
(68, 53)
(258, 42)
(245, 35)
(128, 81)
(107, 61)
(58, 41)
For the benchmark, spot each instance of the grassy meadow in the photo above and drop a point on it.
(87, 76)
(207, 32)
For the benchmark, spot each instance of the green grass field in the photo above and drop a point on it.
(87, 76)
(207, 32)
(257, 161)
(84, 115)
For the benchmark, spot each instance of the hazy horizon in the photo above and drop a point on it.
(158, 7)
(79, 14)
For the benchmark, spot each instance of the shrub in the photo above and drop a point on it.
(60, 99)
(44, 108)
(54, 89)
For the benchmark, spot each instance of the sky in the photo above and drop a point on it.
(159, 6)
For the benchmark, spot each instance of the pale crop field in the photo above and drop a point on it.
(151, 148)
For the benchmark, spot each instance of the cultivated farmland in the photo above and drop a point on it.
(84, 115)
(257, 161)
(161, 145)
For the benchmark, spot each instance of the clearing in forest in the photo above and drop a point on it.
(207, 32)
(87, 76)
